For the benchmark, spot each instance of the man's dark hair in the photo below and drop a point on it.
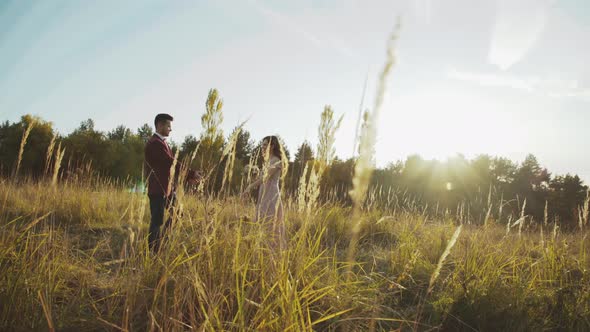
(161, 118)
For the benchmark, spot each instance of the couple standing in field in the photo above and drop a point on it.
(162, 192)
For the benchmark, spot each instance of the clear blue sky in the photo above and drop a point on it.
(499, 77)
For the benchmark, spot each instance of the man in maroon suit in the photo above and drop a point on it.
(161, 191)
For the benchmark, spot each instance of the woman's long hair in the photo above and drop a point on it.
(275, 146)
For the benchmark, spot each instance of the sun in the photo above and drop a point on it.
(442, 124)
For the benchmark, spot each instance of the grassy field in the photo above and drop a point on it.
(73, 257)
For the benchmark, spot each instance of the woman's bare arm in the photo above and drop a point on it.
(272, 169)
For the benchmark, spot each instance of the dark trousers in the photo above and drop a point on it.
(158, 205)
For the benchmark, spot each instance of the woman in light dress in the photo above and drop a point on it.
(269, 209)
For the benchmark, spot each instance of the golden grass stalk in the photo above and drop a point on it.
(230, 153)
(586, 210)
(172, 172)
(46, 311)
(313, 188)
(365, 163)
(266, 164)
(327, 138)
(442, 258)
(252, 171)
(59, 154)
(186, 166)
(485, 222)
(325, 155)
(188, 162)
(408, 267)
(49, 153)
(302, 190)
(309, 190)
(545, 213)
(178, 205)
(284, 163)
(501, 207)
(358, 121)
(522, 218)
(23, 142)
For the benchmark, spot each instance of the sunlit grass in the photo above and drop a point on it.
(72, 259)
(74, 255)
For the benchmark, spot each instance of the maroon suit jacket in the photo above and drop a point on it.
(158, 161)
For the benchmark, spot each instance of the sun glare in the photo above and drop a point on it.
(442, 124)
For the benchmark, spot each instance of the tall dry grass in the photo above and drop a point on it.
(308, 190)
(23, 142)
(230, 154)
(83, 248)
(74, 256)
(49, 154)
(365, 162)
(59, 154)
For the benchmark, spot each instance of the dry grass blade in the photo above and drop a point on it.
(230, 153)
(365, 163)
(309, 190)
(23, 142)
(284, 162)
(57, 165)
(111, 324)
(49, 153)
(488, 214)
(326, 138)
(302, 190)
(586, 207)
(360, 116)
(46, 311)
(35, 222)
(546, 213)
(522, 219)
(442, 258)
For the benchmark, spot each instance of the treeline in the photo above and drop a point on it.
(484, 189)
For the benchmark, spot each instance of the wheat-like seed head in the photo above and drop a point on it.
(302, 190)
(49, 153)
(545, 213)
(586, 207)
(230, 153)
(326, 138)
(365, 163)
(58, 158)
(23, 142)
(442, 258)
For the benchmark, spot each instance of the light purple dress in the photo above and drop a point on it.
(270, 206)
